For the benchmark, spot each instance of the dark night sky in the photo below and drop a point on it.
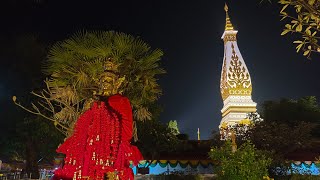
(189, 33)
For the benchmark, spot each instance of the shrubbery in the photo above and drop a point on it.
(245, 163)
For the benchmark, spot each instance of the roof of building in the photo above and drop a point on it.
(198, 150)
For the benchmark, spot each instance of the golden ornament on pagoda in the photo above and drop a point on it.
(235, 84)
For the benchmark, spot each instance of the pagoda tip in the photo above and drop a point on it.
(228, 22)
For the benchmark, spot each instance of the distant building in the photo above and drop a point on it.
(235, 84)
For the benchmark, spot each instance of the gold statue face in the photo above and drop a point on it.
(109, 81)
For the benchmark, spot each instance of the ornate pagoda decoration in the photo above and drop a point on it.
(235, 85)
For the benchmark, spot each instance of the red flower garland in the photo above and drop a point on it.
(101, 143)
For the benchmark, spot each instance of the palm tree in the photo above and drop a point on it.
(75, 65)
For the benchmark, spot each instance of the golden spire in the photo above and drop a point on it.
(228, 22)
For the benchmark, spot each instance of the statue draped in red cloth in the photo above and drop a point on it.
(100, 145)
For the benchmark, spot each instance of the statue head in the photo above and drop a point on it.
(110, 81)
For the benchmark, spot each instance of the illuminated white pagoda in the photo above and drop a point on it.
(235, 85)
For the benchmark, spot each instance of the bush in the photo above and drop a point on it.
(246, 163)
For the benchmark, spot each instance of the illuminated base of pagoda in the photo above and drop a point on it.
(233, 118)
(235, 111)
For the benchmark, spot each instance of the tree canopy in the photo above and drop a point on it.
(173, 125)
(33, 140)
(74, 67)
(288, 125)
(156, 138)
(292, 111)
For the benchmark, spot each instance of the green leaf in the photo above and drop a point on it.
(284, 7)
(311, 2)
(299, 28)
(314, 33)
(308, 28)
(308, 32)
(298, 8)
(284, 32)
(284, 2)
(313, 24)
(288, 26)
(306, 52)
(283, 17)
(306, 19)
(297, 42)
(299, 47)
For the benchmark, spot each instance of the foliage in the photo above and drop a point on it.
(46, 137)
(215, 139)
(183, 136)
(75, 66)
(241, 128)
(155, 138)
(303, 19)
(26, 139)
(288, 126)
(34, 140)
(246, 163)
(254, 117)
(281, 137)
(293, 112)
(173, 125)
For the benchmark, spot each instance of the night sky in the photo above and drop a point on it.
(188, 32)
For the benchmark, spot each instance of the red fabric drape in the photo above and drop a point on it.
(101, 143)
(122, 105)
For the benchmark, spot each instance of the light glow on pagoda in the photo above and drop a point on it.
(235, 84)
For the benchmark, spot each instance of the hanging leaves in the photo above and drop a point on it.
(304, 23)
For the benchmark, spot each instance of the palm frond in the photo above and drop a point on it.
(78, 62)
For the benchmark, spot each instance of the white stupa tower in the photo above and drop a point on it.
(235, 85)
